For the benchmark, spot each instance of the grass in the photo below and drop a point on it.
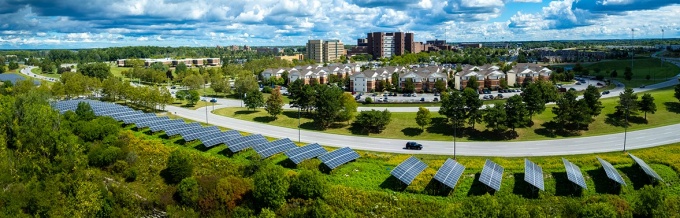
(403, 125)
(199, 104)
(50, 75)
(641, 68)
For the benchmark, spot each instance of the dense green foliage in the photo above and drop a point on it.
(254, 99)
(372, 121)
(274, 104)
(97, 70)
(179, 166)
(271, 186)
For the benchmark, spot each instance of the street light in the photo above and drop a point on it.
(299, 124)
(625, 128)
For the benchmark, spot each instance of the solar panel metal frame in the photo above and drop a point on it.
(338, 157)
(533, 174)
(198, 133)
(274, 147)
(242, 143)
(408, 170)
(648, 170)
(299, 154)
(492, 175)
(177, 130)
(574, 174)
(611, 172)
(449, 173)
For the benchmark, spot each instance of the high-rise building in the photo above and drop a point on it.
(386, 45)
(315, 50)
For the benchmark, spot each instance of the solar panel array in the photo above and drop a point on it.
(219, 138)
(241, 143)
(338, 157)
(574, 174)
(299, 154)
(274, 147)
(533, 174)
(648, 170)
(492, 175)
(407, 170)
(611, 171)
(196, 134)
(449, 173)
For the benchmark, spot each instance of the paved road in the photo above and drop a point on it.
(27, 71)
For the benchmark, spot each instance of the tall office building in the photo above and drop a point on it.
(325, 51)
(386, 45)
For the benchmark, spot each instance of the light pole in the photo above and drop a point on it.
(625, 129)
(299, 124)
(455, 127)
(632, 48)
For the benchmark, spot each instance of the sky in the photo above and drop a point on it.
(68, 24)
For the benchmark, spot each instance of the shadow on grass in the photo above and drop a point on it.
(294, 114)
(564, 187)
(412, 131)
(523, 188)
(637, 176)
(287, 163)
(440, 125)
(394, 184)
(226, 152)
(246, 112)
(552, 129)
(325, 169)
(617, 120)
(264, 119)
(188, 105)
(357, 130)
(489, 135)
(478, 188)
(603, 185)
(202, 147)
(436, 188)
(673, 107)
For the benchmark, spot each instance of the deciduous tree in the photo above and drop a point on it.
(253, 99)
(179, 166)
(327, 105)
(423, 117)
(373, 121)
(647, 104)
(517, 113)
(349, 108)
(495, 117)
(274, 105)
(270, 186)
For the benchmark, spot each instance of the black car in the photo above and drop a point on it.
(605, 92)
(413, 146)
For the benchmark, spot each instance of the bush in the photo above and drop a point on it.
(270, 186)
(368, 100)
(103, 157)
(188, 191)
(373, 121)
(179, 167)
(595, 210)
(267, 89)
(649, 199)
(130, 174)
(308, 184)
(232, 190)
(120, 166)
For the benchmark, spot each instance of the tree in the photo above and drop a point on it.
(395, 80)
(495, 117)
(474, 104)
(423, 117)
(274, 105)
(188, 191)
(270, 186)
(13, 65)
(517, 113)
(440, 85)
(453, 107)
(85, 112)
(327, 105)
(533, 97)
(373, 121)
(193, 82)
(179, 166)
(254, 99)
(158, 66)
(592, 98)
(2, 68)
(628, 74)
(647, 104)
(220, 85)
(409, 87)
(98, 70)
(309, 185)
(181, 69)
(613, 74)
(193, 97)
(472, 83)
(349, 108)
(569, 111)
(677, 91)
(245, 83)
(628, 104)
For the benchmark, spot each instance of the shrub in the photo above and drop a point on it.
(179, 167)
(120, 166)
(103, 157)
(368, 100)
(649, 199)
(373, 121)
(270, 186)
(267, 89)
(308, 184)
(595, 210)
(188, 191)
(130, 174)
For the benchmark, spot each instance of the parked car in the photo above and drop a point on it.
(600, 84)
(173, 87)
(422, 99)
(578, 83)
(436, 100)
(486, 97)
(358, 97)
(413, 146)
(436, 94)
(414, 95)
(500, 95)
(486, 91)
(642, 86)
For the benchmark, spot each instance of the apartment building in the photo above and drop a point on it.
(490, 76)
(386, 45)
(290, 58)
(317, 72)
(174, 62)
(423, 78)
(333, 50)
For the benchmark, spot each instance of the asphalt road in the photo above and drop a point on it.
(27, 71)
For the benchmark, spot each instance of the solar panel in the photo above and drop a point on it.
(299, 154)
(533, 174)
(648, 170)
(190, 136)
(611, 171)
(165, 125)
(176, 130)
(449, 173)
(151, 121)
(143, 117)
(241, 143)
(338, 157)
(219, 138)
(407, 170)
(492, 175)
(574, 174)
(274, 147)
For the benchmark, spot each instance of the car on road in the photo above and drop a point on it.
(642, 86)
(500, 96)
(605, 92)
(413, 146)
(578, 83)
(414, 95)
(436, 100)
(173, 87)
(600, 84)
(422, 99)
(358, 97)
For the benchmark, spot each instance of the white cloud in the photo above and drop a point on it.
(143, 38)
(528, 1)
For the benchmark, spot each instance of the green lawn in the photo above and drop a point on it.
(403, 125)
(50, 75)
(641, 68)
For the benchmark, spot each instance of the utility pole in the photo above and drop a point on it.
(632, 48)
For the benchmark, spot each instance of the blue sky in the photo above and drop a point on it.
(104, 23)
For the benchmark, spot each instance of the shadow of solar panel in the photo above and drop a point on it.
(407, 170)
(274, 147)
(574, 174)
(492, 175)
(241, 143)
(299, 154)
(338, 157)
(195, 134)
(533, 174)
(648, 170)
(176, 130)
(611, 172)
(449, 173)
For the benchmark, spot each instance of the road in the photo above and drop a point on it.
(27, 71)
